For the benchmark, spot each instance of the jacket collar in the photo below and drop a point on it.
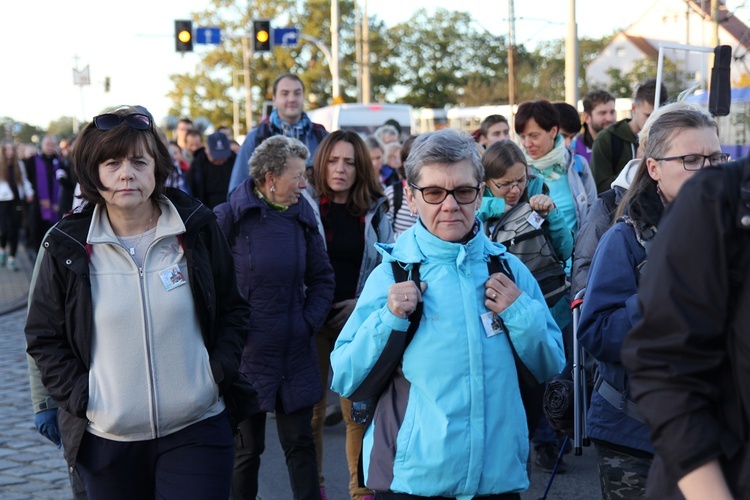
(169, 224)
(243, 200)
(417, 244)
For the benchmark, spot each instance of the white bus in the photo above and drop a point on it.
(364, 118)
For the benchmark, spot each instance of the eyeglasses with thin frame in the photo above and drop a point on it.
(436, 195)
(108, 121)
(696, 161)
(507, 186)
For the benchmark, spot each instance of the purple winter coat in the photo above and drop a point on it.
(283, 271)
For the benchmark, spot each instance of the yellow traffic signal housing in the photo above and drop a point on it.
(261, 35)
(183, 35)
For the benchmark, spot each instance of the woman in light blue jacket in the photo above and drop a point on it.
(451, 423)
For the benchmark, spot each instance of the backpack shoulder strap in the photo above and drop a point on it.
(400, 274)
(393, 351)
(525, 377)
(498, 265)
(264, 131)
(617, 145)
(319, 131)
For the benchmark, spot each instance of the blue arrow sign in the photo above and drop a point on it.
(286, 37)
(210, 35)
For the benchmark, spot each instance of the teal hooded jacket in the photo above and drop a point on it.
(452, 422)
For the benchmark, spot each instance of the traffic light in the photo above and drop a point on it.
(183, 35)
(261, 35)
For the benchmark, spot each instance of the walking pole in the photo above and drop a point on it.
(579, 380)
(554, 469)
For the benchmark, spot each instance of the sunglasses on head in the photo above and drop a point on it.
(108, 121)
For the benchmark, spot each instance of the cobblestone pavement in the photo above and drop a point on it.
(31, 467)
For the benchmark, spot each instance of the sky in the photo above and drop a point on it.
(132, 43)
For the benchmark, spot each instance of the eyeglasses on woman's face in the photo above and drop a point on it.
(507, 186)
(696, 161)
(436, 195)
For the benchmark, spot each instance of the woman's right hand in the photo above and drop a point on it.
(541, 204)
(403, 297)
(345, 308)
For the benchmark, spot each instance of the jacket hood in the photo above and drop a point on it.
(625, 177)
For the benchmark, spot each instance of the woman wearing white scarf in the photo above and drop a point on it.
(572, 188)
(537, 124)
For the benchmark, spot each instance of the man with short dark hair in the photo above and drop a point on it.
(598, 114)
(570, 122)
(492, 129)
(287, 118)
(617, 144)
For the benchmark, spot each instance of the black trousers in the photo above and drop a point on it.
(295, 435)
(10, 225)
(195, 463)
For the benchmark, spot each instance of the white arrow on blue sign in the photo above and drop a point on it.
(210, 35)
(286, 37)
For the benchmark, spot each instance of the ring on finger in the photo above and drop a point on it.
(494, 295)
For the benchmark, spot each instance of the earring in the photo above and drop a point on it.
(413, 215)
(273, 188)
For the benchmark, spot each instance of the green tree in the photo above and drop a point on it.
(18, 131)
(439, 55)
(541, 72)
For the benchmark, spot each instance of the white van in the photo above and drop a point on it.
(365, 118)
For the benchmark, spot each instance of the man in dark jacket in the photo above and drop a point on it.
(208, 177)
(689, 354)
(617, 144)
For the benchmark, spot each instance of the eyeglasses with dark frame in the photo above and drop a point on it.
(436, 195)
(696, 161)
(507, 186)
(108, 121)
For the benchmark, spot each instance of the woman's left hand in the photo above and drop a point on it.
(501, 292)
(541, 204)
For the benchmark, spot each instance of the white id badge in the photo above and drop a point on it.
(172, 277)
(492, 323)
(535, 220)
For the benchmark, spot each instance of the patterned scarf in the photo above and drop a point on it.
(297, 131)
(553, 165)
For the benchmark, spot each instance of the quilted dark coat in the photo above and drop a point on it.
(283, 270)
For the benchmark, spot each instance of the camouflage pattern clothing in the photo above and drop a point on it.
(622, 475)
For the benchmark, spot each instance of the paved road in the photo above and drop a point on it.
(32, 468)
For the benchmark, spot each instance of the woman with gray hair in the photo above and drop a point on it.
(450, 422)
(283, 270)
